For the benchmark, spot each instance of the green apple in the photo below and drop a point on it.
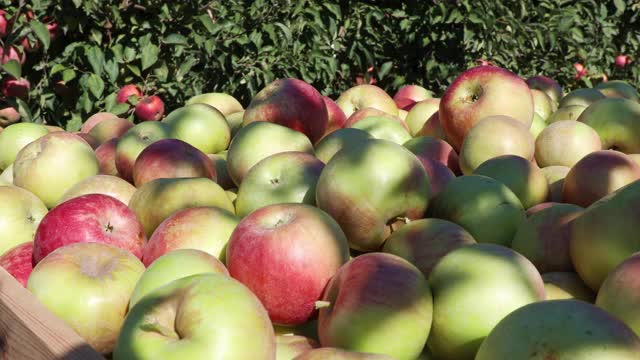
(617, 121)
(569, 112)
(20, 215)
(581, 97)
(542, 104)
(224, 103)
(555, 178)
(537, 125)
(339, 139)
(235, 122)
(14, 137)
(101, 184)
(289, 346)
(618, 89)
(362, 96)
(564, 143)
(383, 128)
(134, 141)
(619, 294)
(566, 285)
(201, 126)
(331, 353)
(110, 129)
(7, 175)
(420, 113)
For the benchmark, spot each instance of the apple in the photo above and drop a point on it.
(618, 89)
(6, 177)
(420, 113)
(426, 147)
(12, 54)
(402, 114)
(622, 61)
(547, 85)
(560, 329)
(18, 262)
(288, 177)
(102, 278)
(581, 97)
(537, 126)
(581, 71)
(224, 103)
(289, 346)
(203, 228)
(566, 285)
(12, 87)
(235, 122)
(367, 186)
(439, 176)
(336, 119)
(53, 128)
(202, 316)
(433, 128)
(171, 158)
(539, 207)
(88, 138)
(597, 175)
(555, 178)
(416, 93)
(110, 128)
(258, 140)
(404, 104)
(542, 104)
(371, 111)
(4, 23)
(617, 121)
(332, 353)
(52, 164)
(21, 213)
(101, 184)
(96, 119)
(200, 125)
(223, 178)
(133, 142)
(478, 93)
(363, 96)
(326, 148)
(150, 108)
(128, 91)
(569, 112)
(380, 127)
(106, 155)
(564, 143)
(474, 288)
(377, 303)
(156, 200)
(291, 103)
(495, 136)
(485, 207)
(619, 294)
(15, 137)
(8, 113)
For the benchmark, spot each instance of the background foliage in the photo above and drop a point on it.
(177, 49)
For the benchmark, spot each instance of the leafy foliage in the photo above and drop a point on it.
(182, 48)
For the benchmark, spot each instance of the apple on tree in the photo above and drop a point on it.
(150, 108)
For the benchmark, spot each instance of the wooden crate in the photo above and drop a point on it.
(29, 331)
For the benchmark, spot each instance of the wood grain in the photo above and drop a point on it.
(29, 331)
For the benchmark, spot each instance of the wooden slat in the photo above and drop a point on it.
(29, 331)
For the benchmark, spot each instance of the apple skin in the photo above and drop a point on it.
(547, 85)
(618, 89)
(203, 228)
(150, 108)
(424, 242)
(15, 137)
(200, 125)
(569, 112)
(224, 103)
(380, 127)
(101, 184)
(485, 207)
(537, 126)
(474, 288)
(364, 187)
(374, 297)
(478, 93)
(336, 117)
(542, 104)
(272, 252)
(420, 113)
(223, 178)
(233, 324)
(617, 121)
(52, 164)
(12, 54)
(4, 22)
(6, 177)
(564, 143)
(171, 158)
(126, 91)
(21, 213)
(566, 285)
(539, 207)
(495, 136)
(88, 138)
(439, 176)
(156, 200)
(133, 142)
(288, 177)
(18, 262)
(106, 155)
(560, 329)
(619, 294)
(235, 122)
(289, 346)
(175, 265)
(416, 93)
(597, 175)
(581, 97)
(555, 178)
(326, 148)
(257, 141)
(19, 88)
(108, 129)
(331, 353)
(433, 128)
(369, 112)
(292, 103)
(427, 147)
(8, 114)
(96, 119)
(363, 96)
(404, 104)
(622, 61)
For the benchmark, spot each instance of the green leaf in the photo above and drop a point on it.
(285, 29)
(96, 59)
(149, 56)
(41, 32)
(384, 69)
(13, 68)
(75, 123)
(620, 7)
(175, 39)
(185, 68)
(96, 85)
(129, 54)
(24, 111)
(208, 23)
(68, 75)
(119, 109)
(134, 69)
(112, 69)
(110, 101)
(56, 69)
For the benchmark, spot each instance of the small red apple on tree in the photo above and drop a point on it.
(581, 71)
(127, 91)
(150, 108)
(622, 61)
(12, 87)
(4, 23)
(11, 54)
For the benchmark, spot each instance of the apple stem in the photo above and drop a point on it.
(322, 304)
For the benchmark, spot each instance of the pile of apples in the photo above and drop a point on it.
(498, 221)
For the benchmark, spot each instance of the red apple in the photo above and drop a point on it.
(622, 61)
(581, 71)
(95, 119)
(150, 108)
(18, 261)
(12, 54)
(12, 87)
(4, 23)
(404, 104)
(416, 93)
(426, 147)
(89, 218)
(134, 141)
(439, 176)
(127, 91)
(8, 114)
(336, 119)
(548, 85)
(106, 155)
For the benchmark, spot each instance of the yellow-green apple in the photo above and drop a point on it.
(566, 285)
(52, 164)
(548, 85)
(258, 140)
(18, 261)
(235, 122)
(371, 111)
(20, 214)
(101, 184)
(597, 175)
(8, 113)
(15, 137)
(542, 104)
(53, 128)
(555, 178)
(175, 265)
(288, 177)
(202, 316)
(380, 127)
(402, 114)
(474, 288)
(96, 119)
(424, 242)
(332, 353)
(560, 329)
(569, 112)
(565, 142)
(286, 254)
(336, 119)
(478, 93)
(420, 113)
(537, 125)
(618, 89)
(366, 187)
(525, 179)
(619, 294)
(171, 158)
(605, 234)
(617, 121)
(106, 155)
(200, 125)
(416, 93)
(427, 147)
(102, 277)
(544, 238)
(485, 207)
(109, 129)
(156, 200)
(377, 303)
(291, 103)
(12, 87)
(134, 141)
(433, 128)
(224, 103)
(128, 91)
(206, 228)
(494, 136)
(581, 97)
(89, 218)
(289, 346)
(150, 108)
(223, 178)
(326, 148)
(366, 95)
(6, 177)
